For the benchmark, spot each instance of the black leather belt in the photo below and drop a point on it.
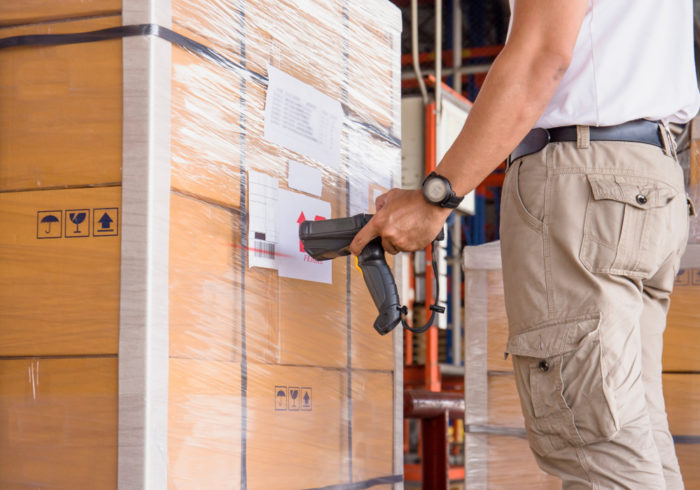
(638, 131)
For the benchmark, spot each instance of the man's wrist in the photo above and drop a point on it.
(437, 191)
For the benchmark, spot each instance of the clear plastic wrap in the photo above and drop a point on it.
(689, 158)
(158, 323)
(497, 453)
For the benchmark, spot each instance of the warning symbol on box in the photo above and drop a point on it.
(696, 276)
(105, 222)
(294, 398)
(48, 224)
(306, 402)
(77, 223)
(281, 398)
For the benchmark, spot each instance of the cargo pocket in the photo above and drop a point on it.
(627, 225)
(571, 404)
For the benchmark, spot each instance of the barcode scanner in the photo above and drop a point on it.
(331, 238)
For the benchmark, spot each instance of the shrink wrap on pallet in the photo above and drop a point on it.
(159, 324)
(496, 449)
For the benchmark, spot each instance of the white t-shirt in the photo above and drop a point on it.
(632, 60)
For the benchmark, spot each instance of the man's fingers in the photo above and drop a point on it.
(363, 237)
(380, 201)
(389, 247)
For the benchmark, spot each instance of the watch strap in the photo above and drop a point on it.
(452, 202)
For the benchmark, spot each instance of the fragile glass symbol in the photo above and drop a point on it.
(49, 219)
(77, 218)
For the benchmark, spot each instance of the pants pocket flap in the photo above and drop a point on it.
(640, 192)
(553, 339)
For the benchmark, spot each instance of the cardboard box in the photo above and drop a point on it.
(688, 457)
(59, 272)
(292, 321)
(122, 189)
(59, 423)
(61, 108)
(205, 289)
(682, 396)
(296, 426)
(29, 11)
(206, 136)
(372, 425)
(493, 396)
(503, 402)
(204, 424)
(372, 65)
(369, 349)
(275, 33)
(497, 333)
(514, 454)
(681, 339)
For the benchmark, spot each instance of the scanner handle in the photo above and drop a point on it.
(382, 288)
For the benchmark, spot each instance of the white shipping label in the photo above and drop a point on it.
(305, 178)
(262, 235)
(302, 119)
(294, 262)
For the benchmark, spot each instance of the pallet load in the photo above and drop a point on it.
(159, 325)
(497, 452)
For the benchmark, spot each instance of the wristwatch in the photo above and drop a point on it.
(438, 191)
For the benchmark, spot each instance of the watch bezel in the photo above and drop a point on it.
(431, 182)
(450, 200)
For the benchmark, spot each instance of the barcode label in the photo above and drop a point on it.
(264, 249)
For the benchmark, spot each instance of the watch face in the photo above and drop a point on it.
(435, 190)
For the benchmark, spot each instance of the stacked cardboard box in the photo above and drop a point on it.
(132, 324)
(495, 426)
(60, 172)
(681, 366)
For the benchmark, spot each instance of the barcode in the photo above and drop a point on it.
(264, 249)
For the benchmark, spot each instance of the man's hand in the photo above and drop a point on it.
(404, 220)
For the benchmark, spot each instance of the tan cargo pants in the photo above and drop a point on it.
(591, 237)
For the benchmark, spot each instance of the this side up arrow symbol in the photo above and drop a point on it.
(106, 221)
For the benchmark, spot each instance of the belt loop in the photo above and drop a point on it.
(583, 137)
(668, 140)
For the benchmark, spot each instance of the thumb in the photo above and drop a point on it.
(368, 233)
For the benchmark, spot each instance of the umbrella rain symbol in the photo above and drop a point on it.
(49, 219)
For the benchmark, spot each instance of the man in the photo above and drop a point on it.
(594, 221)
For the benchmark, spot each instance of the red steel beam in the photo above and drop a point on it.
(467, 54)
(436, 467)
(432, 369)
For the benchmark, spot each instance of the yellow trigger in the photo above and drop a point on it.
(357, 265)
